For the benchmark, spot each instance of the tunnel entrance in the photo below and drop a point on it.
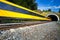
(53, 17)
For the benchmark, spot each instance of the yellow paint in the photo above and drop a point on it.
(2, 0)
(18, 6)
(7, 13)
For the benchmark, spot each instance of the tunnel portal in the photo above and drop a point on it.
(53, 17)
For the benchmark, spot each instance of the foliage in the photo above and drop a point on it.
(49, 10)
(59, 11)
(26, 3)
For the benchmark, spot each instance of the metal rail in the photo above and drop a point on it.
(7, 26)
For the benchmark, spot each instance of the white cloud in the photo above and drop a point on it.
(56, 6)
(49, 7)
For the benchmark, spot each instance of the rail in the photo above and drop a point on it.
(7, 26)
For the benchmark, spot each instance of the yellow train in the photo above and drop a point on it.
(11, 10)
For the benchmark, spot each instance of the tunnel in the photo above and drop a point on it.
(53, 17)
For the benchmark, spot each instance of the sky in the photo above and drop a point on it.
(54, 5)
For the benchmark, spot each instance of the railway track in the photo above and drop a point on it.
(7, 26)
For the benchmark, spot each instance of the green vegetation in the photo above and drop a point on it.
(49, 10)
(9, 21)
(30, 4)
(59, 11)
(15, 20)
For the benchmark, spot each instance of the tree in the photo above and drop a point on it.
(49, 10)
(59, 10)
(26, 3)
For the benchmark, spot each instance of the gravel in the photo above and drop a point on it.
(46, 31)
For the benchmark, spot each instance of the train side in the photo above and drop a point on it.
(11, 10)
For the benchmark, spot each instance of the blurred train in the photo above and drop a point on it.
(9, 10)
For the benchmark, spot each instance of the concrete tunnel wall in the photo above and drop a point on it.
(53, 16)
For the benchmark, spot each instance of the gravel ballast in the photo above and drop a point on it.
(46, 31)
